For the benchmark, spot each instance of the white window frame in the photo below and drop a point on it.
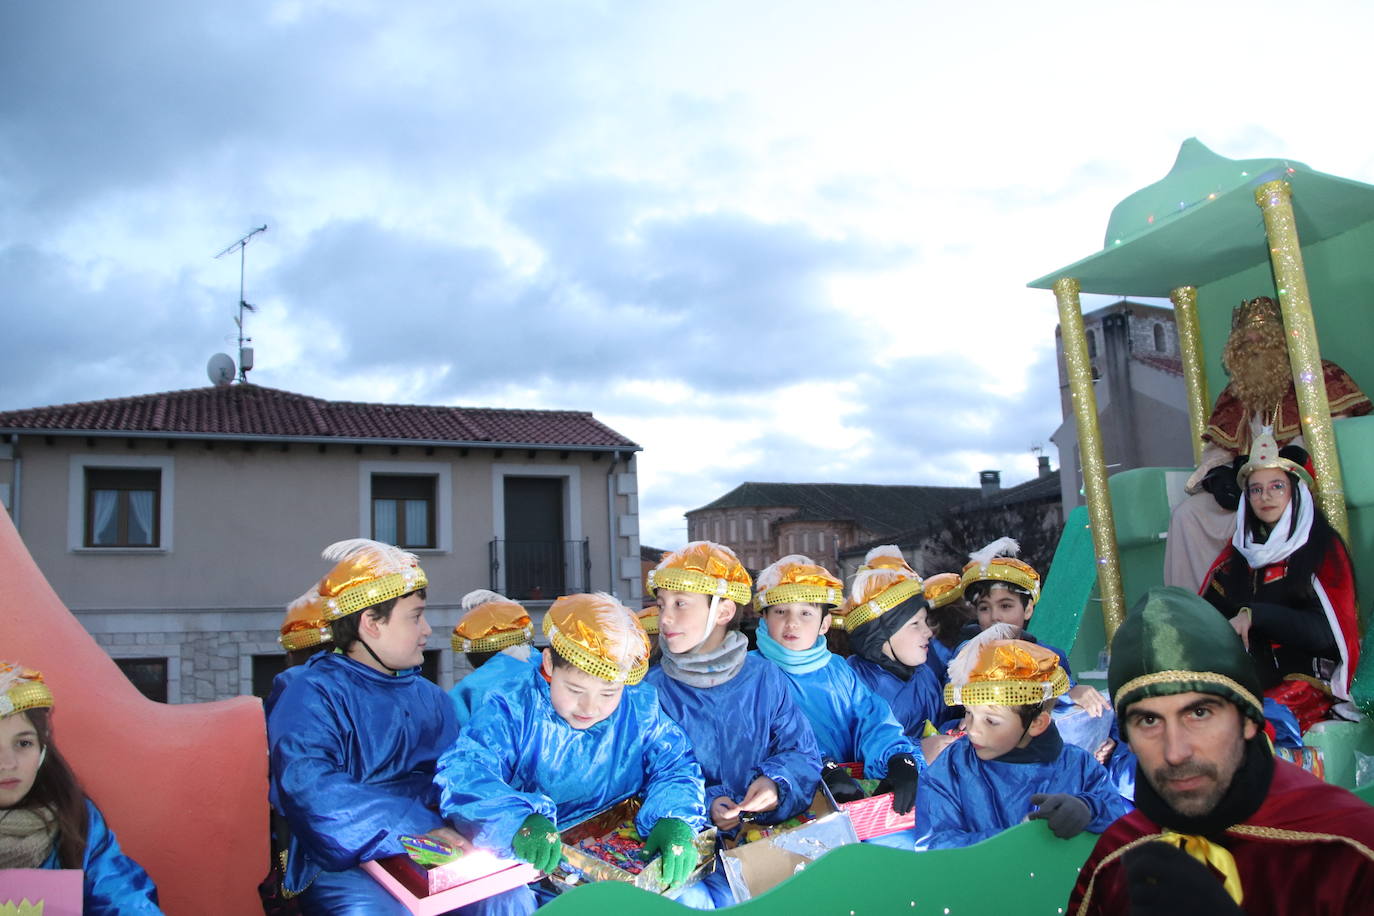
(76, 500)
(442, 471)
(572, 501)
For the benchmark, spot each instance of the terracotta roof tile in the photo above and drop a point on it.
(251, 410)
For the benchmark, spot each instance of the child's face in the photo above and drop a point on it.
(20, 755)
(796, 625)
(995, 730)
(581, 699)
(684, 618)
(910, 645)
(403, 635)
(1269, 493)
(1002, 605)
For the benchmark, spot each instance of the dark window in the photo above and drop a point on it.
(403, 509)
(1092, 345)
(535, 554)
(429, 668)
(265, 670)
(123, 507)
(149, 675)
(1159, 338)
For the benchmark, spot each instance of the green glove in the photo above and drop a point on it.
(672, 838)
(538, 843)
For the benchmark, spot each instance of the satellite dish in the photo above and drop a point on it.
(220, 368)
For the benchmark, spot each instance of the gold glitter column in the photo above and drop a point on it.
(1194, 374)
(1275, 199)
(1080, 371)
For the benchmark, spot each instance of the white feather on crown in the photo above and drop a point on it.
(962, 665)
(481, 596)
(1002, 547)
(343, 550)
(884, 550)
(771, 576)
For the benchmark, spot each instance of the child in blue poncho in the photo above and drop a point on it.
(497, 635)
(46, 820)
(1011, 764)
(757, 751)
(552, 750)
(851, 723)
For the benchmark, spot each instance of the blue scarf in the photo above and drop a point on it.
(793, 662)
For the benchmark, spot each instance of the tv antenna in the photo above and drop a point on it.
(245, 353)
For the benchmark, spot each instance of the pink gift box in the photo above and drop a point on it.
(874, 816)
(57, 889)
(431, 891)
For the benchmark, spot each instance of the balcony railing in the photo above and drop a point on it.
(540, 570)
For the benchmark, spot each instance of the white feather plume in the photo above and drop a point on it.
(342, 550)
(962, 665)
(1002, 547)
(520, 653)
(10, 677)
(481, 596)
(884, 550)
(771, 576)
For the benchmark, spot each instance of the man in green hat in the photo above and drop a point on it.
(1221, 827)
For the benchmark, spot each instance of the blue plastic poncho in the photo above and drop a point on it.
(352, 754)
(964, 800)
(500, 672)
(517, 757)
(745, 728)
(918, 699)
(850, 722)
(113, 883)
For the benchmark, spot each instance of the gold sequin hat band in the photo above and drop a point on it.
(705, 568)
(22, 689)
(491, 623)
(899, 591)
(366, 574)
(943, 588)
(306, 623)
(797, 578)
(1003, 569)
(599, 635)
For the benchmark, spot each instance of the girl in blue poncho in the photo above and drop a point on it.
(851, 723)
(46, 821)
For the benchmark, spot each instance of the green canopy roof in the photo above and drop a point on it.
(1200, 223)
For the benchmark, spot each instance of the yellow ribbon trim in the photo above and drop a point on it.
(1209, 853)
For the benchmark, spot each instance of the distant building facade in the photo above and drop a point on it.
(177, 526)
(1141, 397)
(763, 522)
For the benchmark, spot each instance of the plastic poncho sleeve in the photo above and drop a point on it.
(474, 778)
(1098, 790)
(674, 784)
(940, 811)
(114, 884)
(339, 819)
(793, 761)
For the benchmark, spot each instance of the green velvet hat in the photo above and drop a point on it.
(1175, 642)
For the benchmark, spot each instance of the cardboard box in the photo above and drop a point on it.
(753, 868)
(431, 891)
(581, 865)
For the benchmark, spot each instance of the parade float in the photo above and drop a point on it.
(186, 786)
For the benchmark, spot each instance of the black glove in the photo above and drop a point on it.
(1163, 880)
(1067, 814)
(901, 782)
(1222, 484)
(842, 786)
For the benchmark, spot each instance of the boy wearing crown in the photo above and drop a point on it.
(851, 723)
(550, 751)
(1011, 764)
(355, 734)
(496, 634)
(756, 749)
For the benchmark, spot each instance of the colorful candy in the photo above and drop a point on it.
(755, 832)
(622, 848)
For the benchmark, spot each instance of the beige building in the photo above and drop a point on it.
(177, 526)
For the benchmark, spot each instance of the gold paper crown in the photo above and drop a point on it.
(943, 588)
(367, 573)
(21, 689)
(997, 562)
(797, 578)
(1256, 312)
(600, 636)
(883, 582)
(306, 623)
(703, 567)
(648, 619)
(491, 623)
(1264, 454)
(1008, 672)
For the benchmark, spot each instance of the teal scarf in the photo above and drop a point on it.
(804, 662)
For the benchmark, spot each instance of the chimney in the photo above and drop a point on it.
(990, 481)
(1045, 466)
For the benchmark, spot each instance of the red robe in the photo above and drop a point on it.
(1308, 850)
(1229, 425)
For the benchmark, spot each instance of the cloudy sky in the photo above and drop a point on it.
(767, 241)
